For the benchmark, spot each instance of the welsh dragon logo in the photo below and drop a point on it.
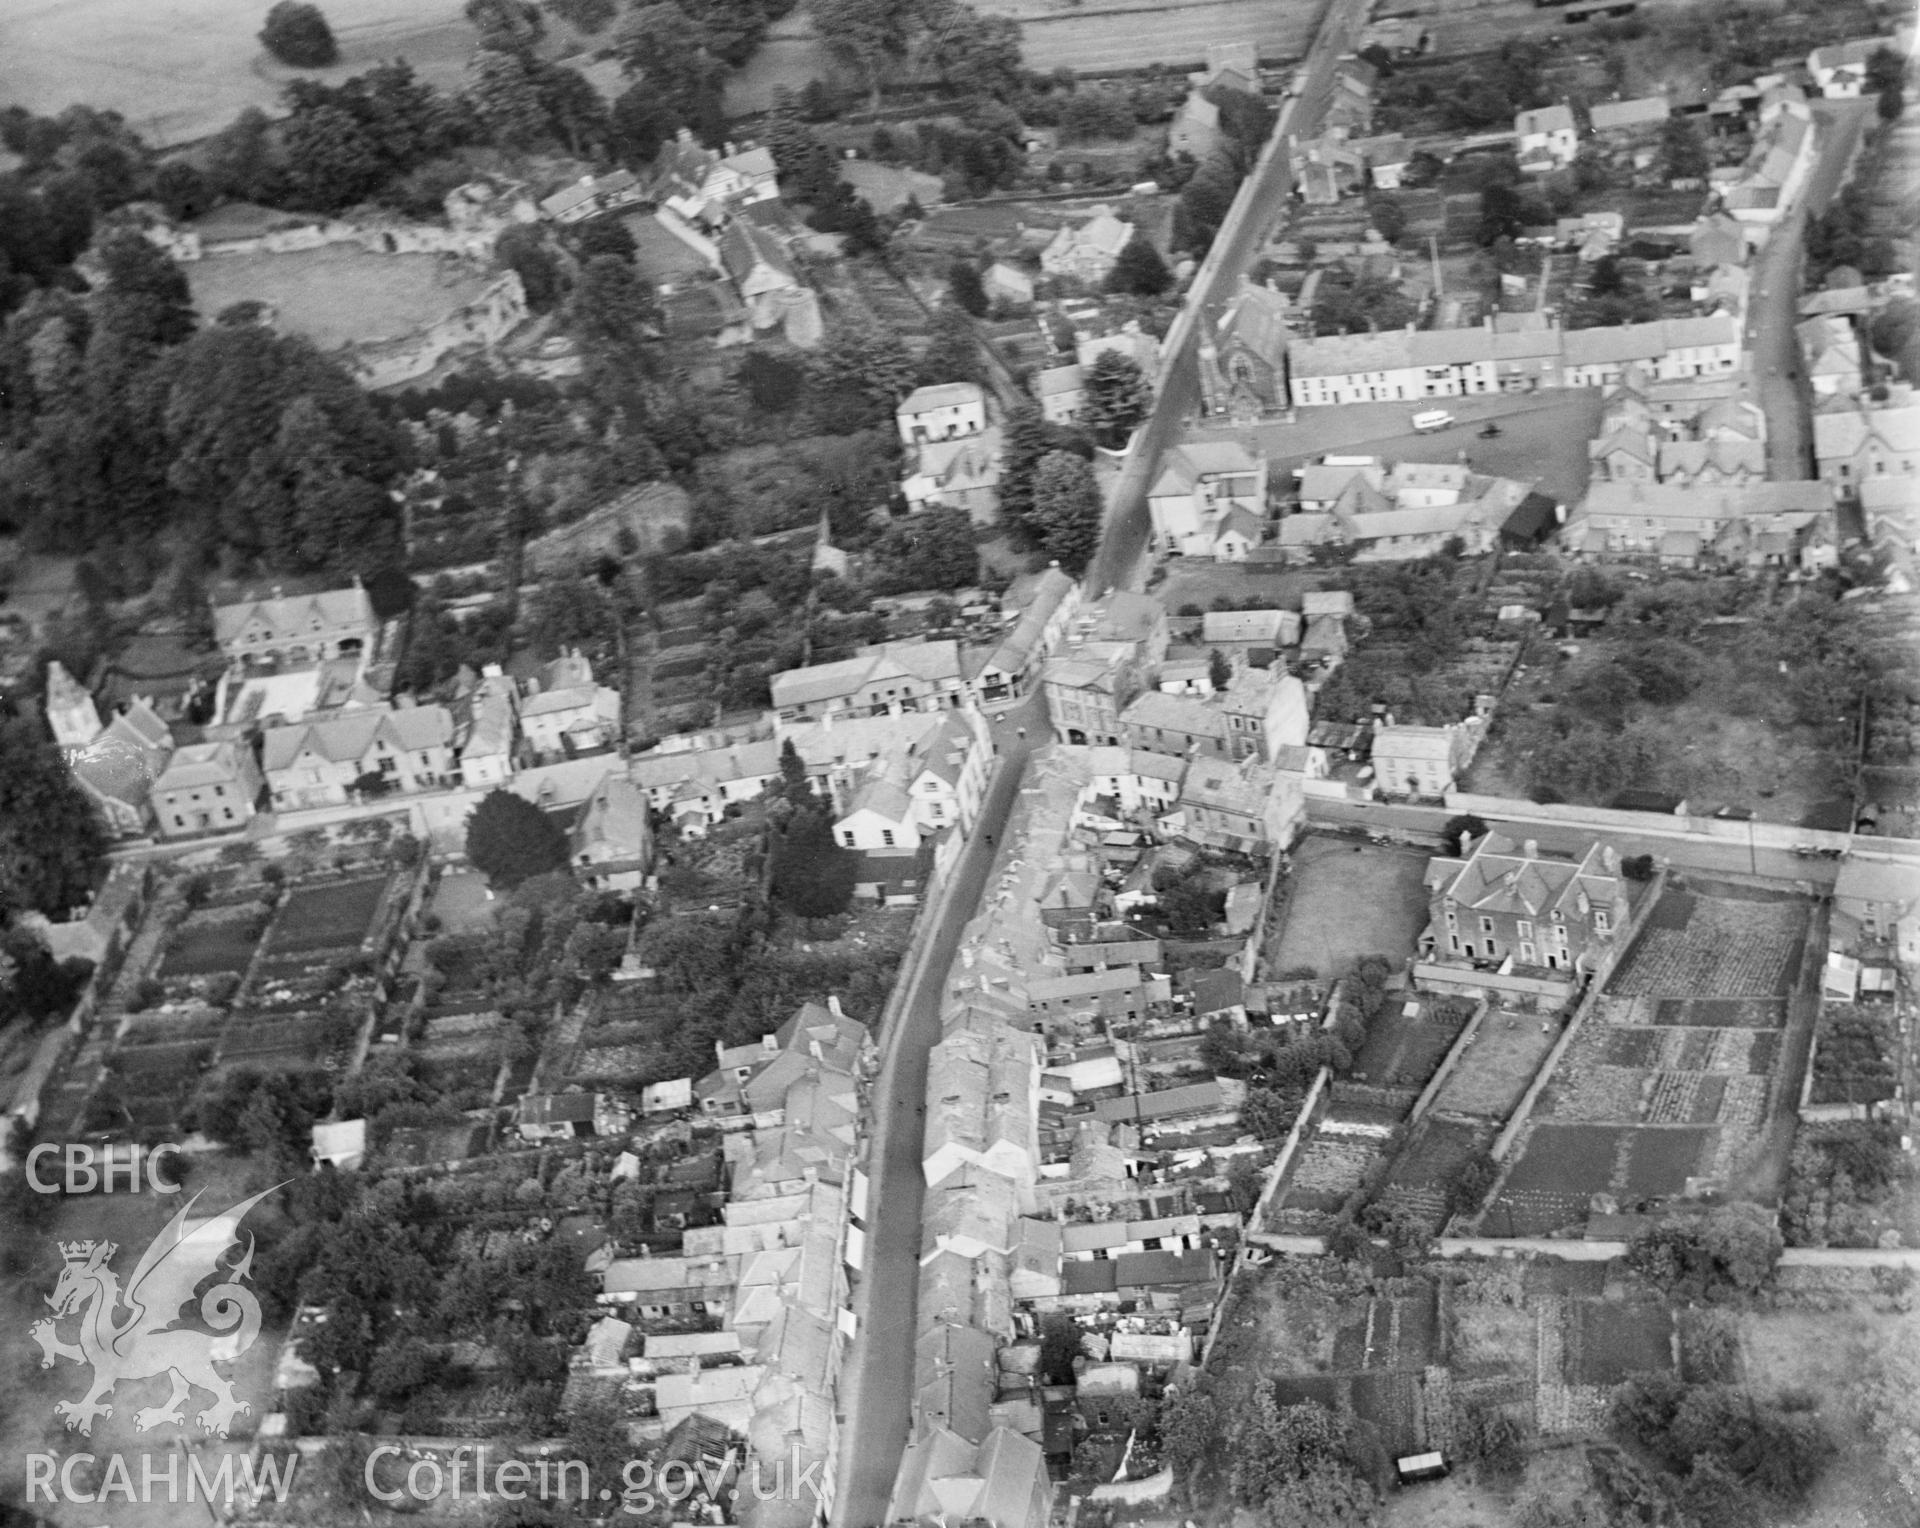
(131, 1334)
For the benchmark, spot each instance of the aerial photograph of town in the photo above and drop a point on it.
(959, 764)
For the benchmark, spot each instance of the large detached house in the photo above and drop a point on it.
(611, 843)
(206, 788)
(1504, 899)
(943, 412)
(1087, 251)
(298, 629)
(321, 763)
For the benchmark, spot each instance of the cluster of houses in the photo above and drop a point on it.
(952, 450)
(724, 205)
(1680, 476)
(1071, 1166)
(740, 1334)
(1866, 426)
(301, 719)
(1212, 499)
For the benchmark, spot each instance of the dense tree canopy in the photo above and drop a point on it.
(51, 841)
(298, 34)
(1115, 397)
(510, 840)
(1067, 515)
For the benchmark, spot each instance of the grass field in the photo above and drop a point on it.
(178, 70)
(1347, 900)
(1499, 1062)
(340, 293)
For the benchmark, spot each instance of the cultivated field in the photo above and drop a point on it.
(338, 294)
(1346, 900)
(1670, 1074)
(178, 70)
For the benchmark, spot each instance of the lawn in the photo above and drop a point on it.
(182, 69)
(462, 903)
(329, 917)
(1346, 900)
(1498, 1063)
(338, 294)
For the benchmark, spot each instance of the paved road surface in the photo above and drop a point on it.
(1722, 856)
(1120, 562)
(876, 1384)
(1773, 307)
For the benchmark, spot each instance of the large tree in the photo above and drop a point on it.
(1067, 510)
(1115, 397)
(672, 53)
(51, 841)
(970, 52)
(510, 840)
(868, 36)
(813, 876)
(298, 34)
(953, 350)
(1139, 272)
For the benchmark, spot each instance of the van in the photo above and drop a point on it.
(1431, 420)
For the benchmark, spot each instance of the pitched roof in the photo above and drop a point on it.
(744, 246)
(294, 615)
(613, 819)
(1262, 626)
(1544, 119)
(200, 764)
(351, 735)
(943, 395)
(1177, 713)
(1610, 116)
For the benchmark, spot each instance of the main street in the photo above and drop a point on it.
(1121, 558)
(876, 1383)
(1773, 299)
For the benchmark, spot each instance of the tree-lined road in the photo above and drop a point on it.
(1120, 560)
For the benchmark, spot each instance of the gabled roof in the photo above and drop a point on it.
(1176, 713)
(352, 735)
(1544, 119)
(1611, 116)
(295, 615)
(200, 764)
(613, 820)
(943, 395)
(744, 246)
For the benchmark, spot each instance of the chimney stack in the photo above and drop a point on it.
(1531, 848)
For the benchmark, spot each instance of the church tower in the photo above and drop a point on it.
(71, 713)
